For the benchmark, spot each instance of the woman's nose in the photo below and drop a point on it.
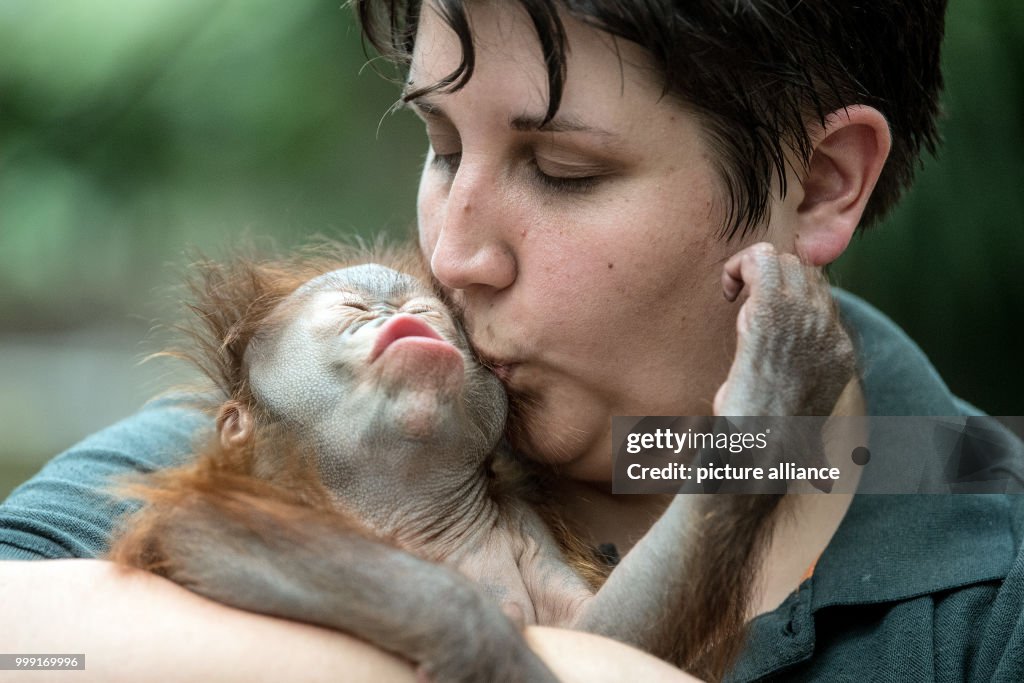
(471, 249)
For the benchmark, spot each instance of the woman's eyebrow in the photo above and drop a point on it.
(562, 123)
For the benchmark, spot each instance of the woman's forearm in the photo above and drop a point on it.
(578, 657)
(134, 626)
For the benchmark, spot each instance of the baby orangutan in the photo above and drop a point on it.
(351, 481)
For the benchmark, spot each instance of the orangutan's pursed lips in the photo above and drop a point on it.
(399, 327)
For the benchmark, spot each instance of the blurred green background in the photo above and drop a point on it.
(133, 129)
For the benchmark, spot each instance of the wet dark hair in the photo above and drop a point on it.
(755, 71)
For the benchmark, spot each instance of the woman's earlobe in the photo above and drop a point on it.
(235, 425)
(841, 174)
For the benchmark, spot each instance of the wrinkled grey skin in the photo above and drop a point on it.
(419, 422)
(793, 357)
(402, 440)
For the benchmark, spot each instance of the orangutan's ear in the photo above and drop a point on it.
(848, 157)
(235, 425)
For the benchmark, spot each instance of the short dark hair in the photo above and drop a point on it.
(753, 70)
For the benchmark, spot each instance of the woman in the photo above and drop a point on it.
(591, 169)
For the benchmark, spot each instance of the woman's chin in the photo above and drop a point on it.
(559, 439)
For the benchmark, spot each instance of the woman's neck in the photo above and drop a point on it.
(801, 534)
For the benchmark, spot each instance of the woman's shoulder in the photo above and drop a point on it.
(66, 509)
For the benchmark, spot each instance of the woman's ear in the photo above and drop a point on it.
(235, 425)
(848, 157)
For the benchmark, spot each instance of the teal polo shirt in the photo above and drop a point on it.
(925, 588)
(911, 587)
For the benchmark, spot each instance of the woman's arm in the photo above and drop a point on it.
(134, 626)
(578, 657)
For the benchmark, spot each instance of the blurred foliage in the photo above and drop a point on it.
(132, 129)
(129, 129)
(947, 264)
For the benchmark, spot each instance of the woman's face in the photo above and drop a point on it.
(584, 253)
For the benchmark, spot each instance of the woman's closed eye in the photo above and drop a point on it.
(562, 179)
(567, 177)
